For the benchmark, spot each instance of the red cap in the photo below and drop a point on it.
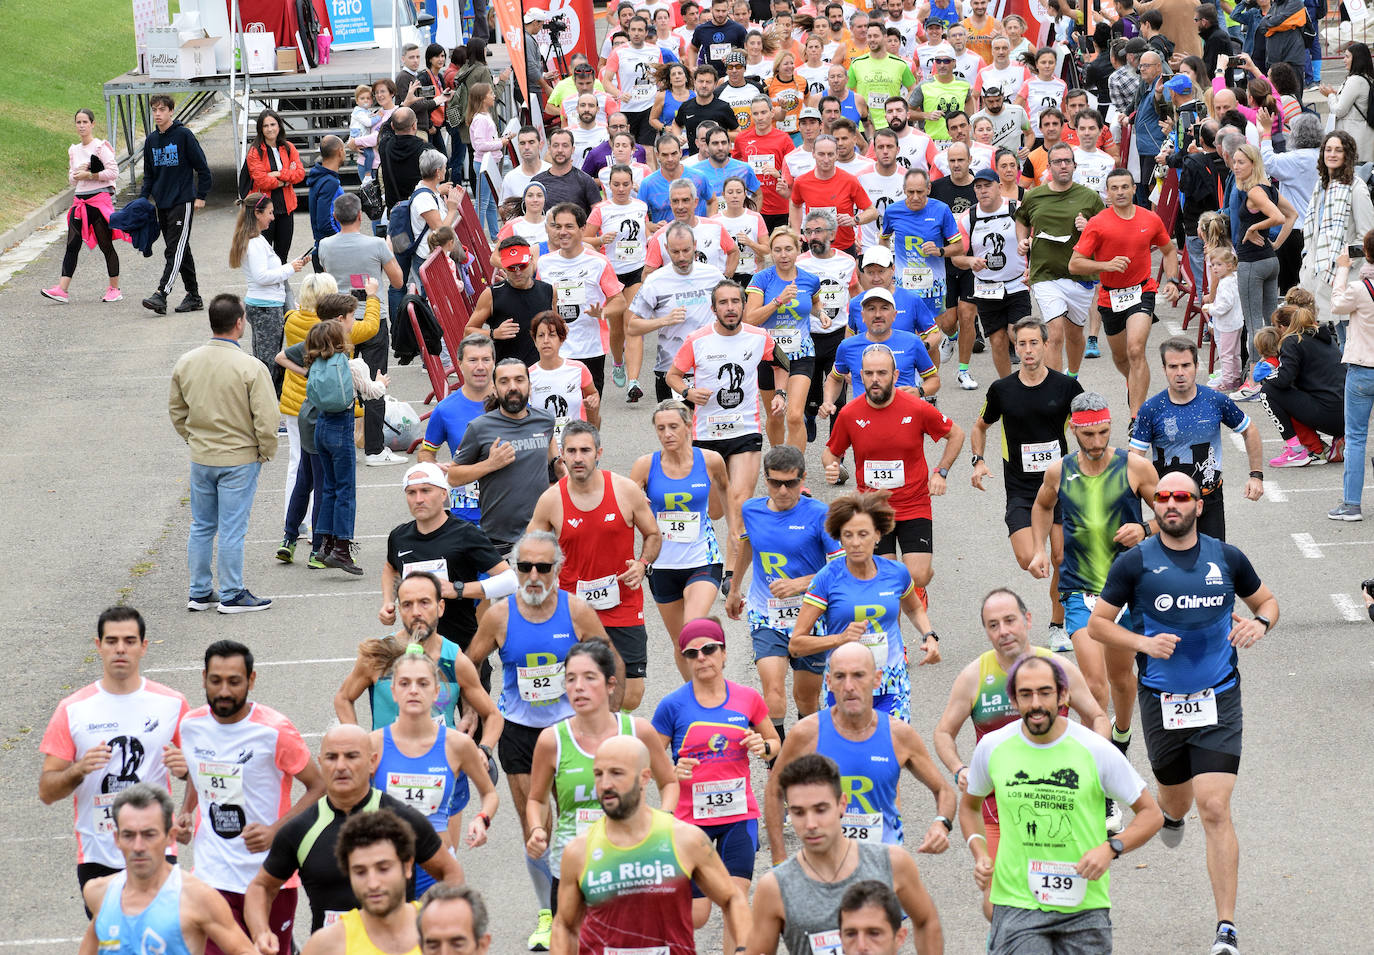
(702, 627)
(515, 255)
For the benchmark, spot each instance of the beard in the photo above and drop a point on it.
(514, 401)
(1186, 520)
(395, 898)
(422, 630)
(625, 806)
(1027, 716)
(896, 125)
(816, 246)
(225, 706)
(533, 594)
(879, 394)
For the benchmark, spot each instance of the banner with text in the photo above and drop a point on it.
(351, 22)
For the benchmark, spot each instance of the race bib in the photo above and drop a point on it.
(438, 567)
(220, 782)
(720, 205)
(559, 424)
(600, 594)
(626, 249)
(990, 289)
(876, 641)
(723, 425)
(572, 294)
(642, 92)
(719, 798)
(651, 950)
(1056, 883)
(540, 684)
(832, 295)
(787, 340)
(330, 917)
(1183, 711)
(583, 818)
(420, 791)
(763, 165)
(783, 613)
(464, 497)
(104, 813)
(1124, 298)
(788, 124)
(863, 826)
(918, 278)
(877, 101)
(679, 527)
(884, 475)
(826, 943)
(1037, 458)
(719, 51)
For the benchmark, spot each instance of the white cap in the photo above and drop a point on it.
(536, 14)
(942, 51)
(876, 255)
(879, 294)
(426, 472)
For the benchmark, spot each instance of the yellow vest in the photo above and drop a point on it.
(356, 941)
(298, 324)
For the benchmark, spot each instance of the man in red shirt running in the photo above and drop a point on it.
(887, 430)
(826, 188)
(765, 148)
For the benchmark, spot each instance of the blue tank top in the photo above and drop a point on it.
(425, 783)
(850, 108)
(670, 105)
(156, 929)
(532, 656)
(383, 701)
(869, 773)
(681, 507)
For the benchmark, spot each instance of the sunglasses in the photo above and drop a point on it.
(710, 650)
(1182, 497)
(789, 483)
(525, 566)
(516, 267)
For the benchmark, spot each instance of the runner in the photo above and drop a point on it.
(654, 189)
(887, 430)
(839, 285)
(627, 881)
(118, 731)
(532, 632)
(587, 292)
(713, 243)
(449, 420)
(712, 726)
(870, 919)
(923, 233)
(1098, 490)
(959, 320)
(1049, 222)
(783, 300)
(797, 901)
(980, 695)
(705, 107)
(1115, 246)
(623, 150)
(687, 489)
(935, 99)
(629, 77)
(714, 38)
(178, 913)
(1001, 73)
(915, 150)
(912, 314)
(1091, 162)
(802, 159)
(718, 166)
(738, 91)
(244, 758)
(561, 386)
(1190, 703)
(622, 222)
(562, 762)
(830, 189)
(1011, 124)
(765, 150)
(377, 851)
(1033, 406)
(504, 311)
(876, 77)
(453, 918)
(847, 155)
(871, 748)
(745, 226)
(1049, 880)
(593, 515)
(1044, 90)
(674, 302)
(916, 374)
(427, 766)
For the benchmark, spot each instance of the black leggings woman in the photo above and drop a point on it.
(92, 169)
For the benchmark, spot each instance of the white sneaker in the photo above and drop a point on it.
(966, 381)
(1116, 819)
(384, 457)
(947, 348)
(1060, 641)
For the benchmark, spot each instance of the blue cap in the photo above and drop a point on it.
(1179, 84)
(987, 175)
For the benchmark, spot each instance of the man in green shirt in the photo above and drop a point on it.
(941, 96)
(877, 76)
(1051, 778)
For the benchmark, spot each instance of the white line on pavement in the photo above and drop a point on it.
(1174, 328)
(261, 663)
(26, 942)
(1343, 543)
(1350, 610)
(1307, 546)
(1275, 493)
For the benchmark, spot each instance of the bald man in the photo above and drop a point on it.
(305, 843)
(636, 891)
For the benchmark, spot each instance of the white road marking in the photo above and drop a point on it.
(1307, 546)
(1350, 610)
(25, 942)
(261, 663)
(1174, 328)
(1275, 493)
(1344, 543)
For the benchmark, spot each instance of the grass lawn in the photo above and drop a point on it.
(67, 68)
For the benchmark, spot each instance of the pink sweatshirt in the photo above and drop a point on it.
(79, 155)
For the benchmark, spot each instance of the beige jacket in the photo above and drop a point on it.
(223, 405)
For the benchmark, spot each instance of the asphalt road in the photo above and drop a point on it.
(94, 507)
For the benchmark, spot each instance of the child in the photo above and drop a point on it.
(1227, 319)
(461, 266)
(1266, 343)
(1214, 229)
(361, 123)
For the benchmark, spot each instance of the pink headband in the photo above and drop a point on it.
(699, 628)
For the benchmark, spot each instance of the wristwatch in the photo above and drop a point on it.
(1116, 846)
(975, 460)
(1268, 624)
(943, 472)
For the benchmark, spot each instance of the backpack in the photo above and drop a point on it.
(398, 230)
(329, 384)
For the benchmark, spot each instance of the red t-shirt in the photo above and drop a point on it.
(841, 194)
(765, 153)
(1108, 235)
(889, 446)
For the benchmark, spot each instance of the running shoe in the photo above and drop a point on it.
(810, 428)
(1171, 834)
(947, 349)
(618, 373)
(980, 345)
(316, 562)
(207, 602)
(56, 294)
(191, 303)
(966, 381)
(1226, 943)
(157, 302)
(542, 936)
(1116, 819)
(384, 457)
(1291, 457)
(635, 392)
(1015, 358)
(1246, 392)
(1335, 453)
(112, 294)
(245, 602)
(1060, 642)
(286, 553)
(1091, 350)
(1120, 740)
(1345, 512)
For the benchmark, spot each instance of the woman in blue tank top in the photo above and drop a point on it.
(687, 489)
(673, 77)
(426, 765)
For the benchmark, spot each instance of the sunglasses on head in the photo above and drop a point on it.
(710, 650)
(525, 566)
(1182, 497)
(789, 483)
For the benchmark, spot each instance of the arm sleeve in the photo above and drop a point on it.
(204, 180)
(1117, 776)
(280, 863)
(292, 754)
(992, 406)
(469, 449)
(110, 173)
(663, 718)
(57, 738)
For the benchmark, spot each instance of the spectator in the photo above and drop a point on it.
(266, 276)
(176, 178)
(1099, 69)
(1286, 83)
(1255, 207)
(1175, 23)
(485, 142)
(400, 153)
(1202, 178)
(274, 168)
(1148, 131)
(429, 204)
(564, 182)
(1308, 385)
(384, 95)
(535, 79)
(1227, 318)
(472, 70)
(1279, 34)
(434, 74)
(1349, 106)
(1151, 27)
(1339, 213)
(1294, 171)
(222, 404)
(363, 121)
(1216, 42)
(88, 220)
(325, 187)
(1356, 300)
(1124, 83)
(1126, 25)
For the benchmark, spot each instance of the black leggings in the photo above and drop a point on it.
(1285, 404)
(103, 239)
(826, 346)
(278, 235)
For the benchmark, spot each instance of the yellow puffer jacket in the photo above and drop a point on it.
(298, 323)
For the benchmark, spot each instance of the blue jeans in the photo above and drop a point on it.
(458, 162)
(221, 500)
(1359, 403)
(309, 478)
(1197, 262)
(486, 207)
(338, 455)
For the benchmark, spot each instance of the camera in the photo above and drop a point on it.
(556, 25)
(359, 294)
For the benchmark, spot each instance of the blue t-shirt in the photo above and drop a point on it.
(913, 313)
(1187, 437)
(790, 325)
(1190, 594)
(910, 230)
(733, 167)
(907, 349)
(843, 599)
(789, 544)
(447, 423)
(654, 191)
(707, 35)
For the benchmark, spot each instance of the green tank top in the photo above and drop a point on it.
(574, 787)
(1094, 506)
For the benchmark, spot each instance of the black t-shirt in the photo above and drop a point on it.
(1034, 422)
(326, 887)
(466, 553)
(692, 114)
(522, 305)
(960, 199)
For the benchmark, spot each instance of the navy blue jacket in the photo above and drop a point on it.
(139, 220)
(324, 186)
(174, 168)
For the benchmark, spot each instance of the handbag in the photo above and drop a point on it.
(370, 196)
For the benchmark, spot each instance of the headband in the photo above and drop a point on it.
(1084, 419)
(696, 629)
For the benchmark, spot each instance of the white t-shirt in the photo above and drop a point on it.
(585, 140)
(816, 78)
(422, 201)
(993, 238)
(967, 66)
(799, 162)
(667, 289)
(634, 74)
(1010, 80)
(838, 275)
(1008, 126)
(584, 280)
(749, 224)
(727, 367)
(559, 392)
(714, 245)
(1091, 169)
(515, 181)
(627, 224)
(1041, 95)
(883, 190)
(856, 167)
